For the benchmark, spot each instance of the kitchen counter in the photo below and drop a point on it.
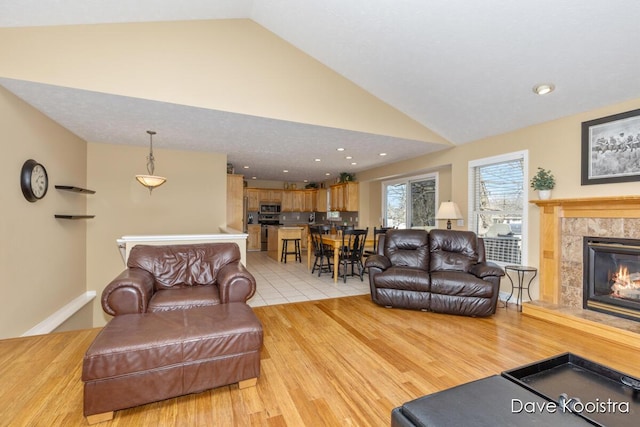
(276, 234)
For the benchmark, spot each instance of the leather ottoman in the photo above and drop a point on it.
(142, 358)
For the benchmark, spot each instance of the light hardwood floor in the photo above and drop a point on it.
(333, 362)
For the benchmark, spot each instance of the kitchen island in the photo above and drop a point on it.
(276, 234)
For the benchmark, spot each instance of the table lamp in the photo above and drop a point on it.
(448, 211)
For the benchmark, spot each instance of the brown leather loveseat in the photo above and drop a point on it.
(172, 277)
(442, 271)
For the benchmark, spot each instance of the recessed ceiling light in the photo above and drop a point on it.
(353, 163)
(306, 180)
(246, 167)
(327, 174)
(253, 177)
(285, 171)
(382, 154)
(340, 149)
(544, 88)
(349, 157)
(317, 160)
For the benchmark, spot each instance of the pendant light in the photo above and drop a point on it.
(151, 181)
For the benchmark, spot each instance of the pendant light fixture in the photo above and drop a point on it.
(151, 181)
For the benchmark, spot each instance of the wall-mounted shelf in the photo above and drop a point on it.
(60, 216)
(74, 189)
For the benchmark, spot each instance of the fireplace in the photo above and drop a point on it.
(612, 276)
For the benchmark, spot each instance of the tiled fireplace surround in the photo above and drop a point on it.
(571, 258)
(563, 224)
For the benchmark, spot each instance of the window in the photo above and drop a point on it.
(497, 200)
(410, 202)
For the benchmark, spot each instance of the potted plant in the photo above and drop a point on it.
(347, 177)
(544, 182)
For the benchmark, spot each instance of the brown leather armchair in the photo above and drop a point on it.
(171, 277)
(442, 271)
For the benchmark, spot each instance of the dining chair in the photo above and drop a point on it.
(322, 228)
(321, 252)
(376, 238)
(344, 227)
(352, 250)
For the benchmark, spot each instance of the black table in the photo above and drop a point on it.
(521, 271)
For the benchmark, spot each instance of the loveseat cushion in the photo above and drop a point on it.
(408, 248)
(184, 298)
(460, 284)
(183, 265)
(405, 278)
(453, 250)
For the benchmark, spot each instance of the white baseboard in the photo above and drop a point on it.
(49, 324)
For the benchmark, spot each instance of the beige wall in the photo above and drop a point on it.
(228, 65)
(554, 145)
(42, 259)
(192, 201)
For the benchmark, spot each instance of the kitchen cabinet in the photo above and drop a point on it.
(298, 201)
(304, 233)
(235, 193)
(345, 197)
(276, 234)
(321, 200)
(287, 202)
(253, 240)
(271, 195)
(309, 203)
(307, 200)
(253, 199)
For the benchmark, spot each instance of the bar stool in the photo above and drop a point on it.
(285, 250)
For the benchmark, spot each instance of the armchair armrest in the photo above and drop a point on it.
(235, 283)
(378, 261)
(129, 293)
(486, 269)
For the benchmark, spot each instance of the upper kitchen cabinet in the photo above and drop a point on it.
(271, 195)
(309, 201)
(345, 197)
(235, 185)
(287, 201)
(298, 200)
(321, 200)
(253, 199)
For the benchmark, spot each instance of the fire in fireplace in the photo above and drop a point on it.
(612, 276)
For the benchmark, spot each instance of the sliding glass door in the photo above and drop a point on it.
(410, 202)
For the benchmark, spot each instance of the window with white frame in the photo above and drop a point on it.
(410, 202)
(497, 200)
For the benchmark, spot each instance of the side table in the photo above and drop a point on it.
(521, 271)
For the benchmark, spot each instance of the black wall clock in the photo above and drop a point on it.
(33, 180)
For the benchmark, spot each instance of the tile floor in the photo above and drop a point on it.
(278, 283)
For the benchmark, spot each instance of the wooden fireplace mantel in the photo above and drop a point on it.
(551, 213)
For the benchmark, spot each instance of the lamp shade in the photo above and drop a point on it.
(448, 210)
(151, 181)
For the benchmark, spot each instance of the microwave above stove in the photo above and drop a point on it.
(269, 208)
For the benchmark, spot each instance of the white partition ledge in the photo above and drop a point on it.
(49, 324)
(125, 243)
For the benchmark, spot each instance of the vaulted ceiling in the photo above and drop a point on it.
(463, 70)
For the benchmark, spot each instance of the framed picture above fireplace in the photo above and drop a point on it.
(611, 149)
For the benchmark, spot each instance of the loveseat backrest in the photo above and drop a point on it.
(408, 248)
(453, 250)
(183, 265)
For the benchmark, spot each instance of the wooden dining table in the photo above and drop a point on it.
(335, 241)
